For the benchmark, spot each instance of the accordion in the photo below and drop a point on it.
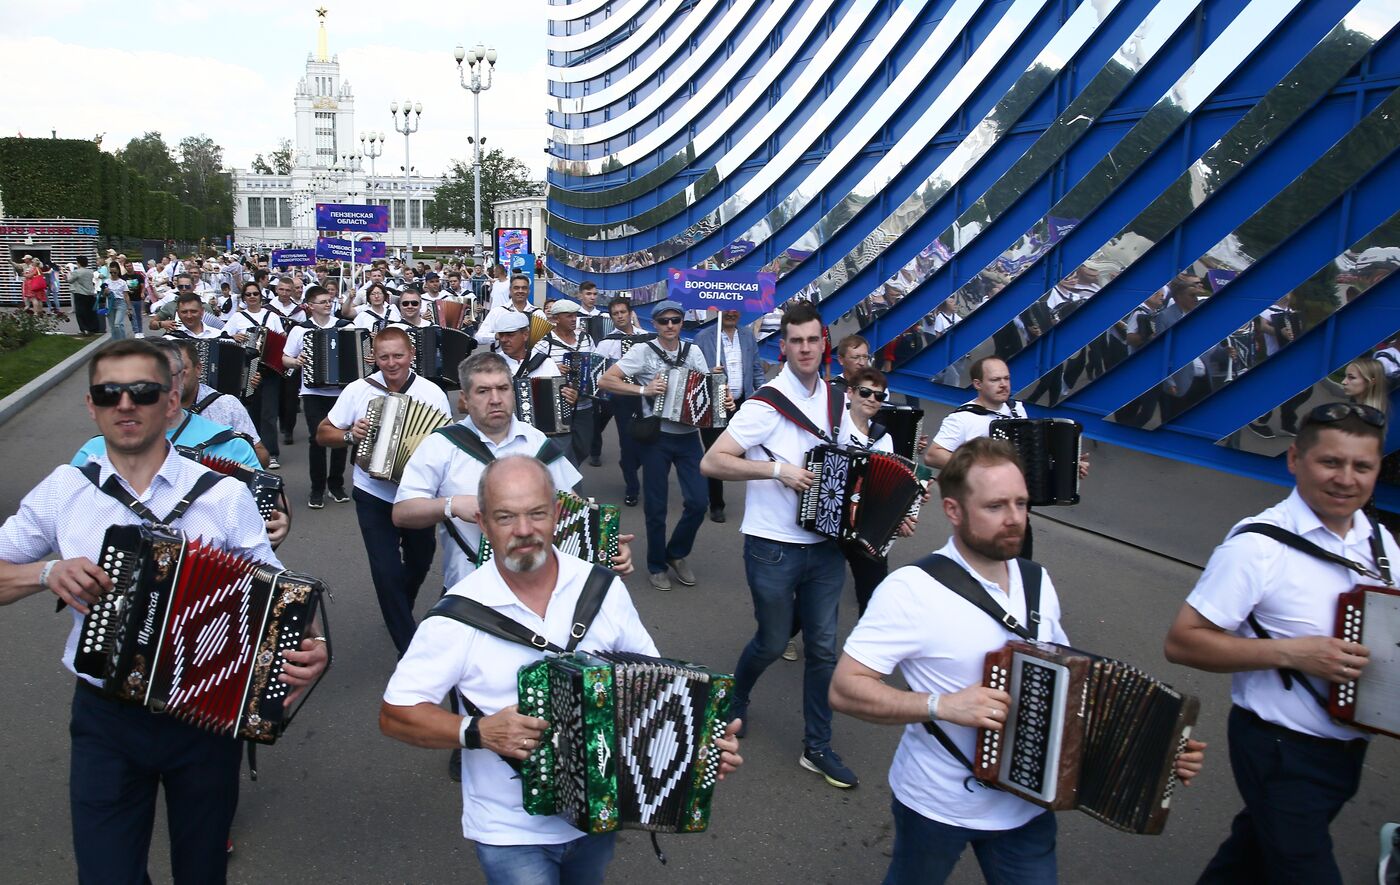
(225, 366)
(335, 357)
(398, 423)
(905, 425)
(582, 528)
(859, 495)
(267, 488)
(454, 314)
(196, 633)
(540, 403)
(1085, 732)
(585, 371)
(1049, 452)
(598, 327)
(540, 326)
(438, 351)
(694, 398)
(266, 347)
(631, 741)
(1370, 616)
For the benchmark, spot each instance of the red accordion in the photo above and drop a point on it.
(859, 495)
(1371, 701)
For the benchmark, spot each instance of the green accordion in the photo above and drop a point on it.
(582, 528)
(631, 741)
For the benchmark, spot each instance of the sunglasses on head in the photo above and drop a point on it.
(1327, 413)
(867, 392)
(667, 321)
(143, 393)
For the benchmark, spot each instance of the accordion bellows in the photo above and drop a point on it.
(196, 633)
(582, 528)
(398, 424)
(859, 496)
(1085, 732)
(266, 487)
(631, 742)
(585, 371)
(540, 403)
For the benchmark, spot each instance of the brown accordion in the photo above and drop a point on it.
(858, 495)
(1085, 732)
(196, 633)
(540, 403)
(398, 423)
(335, 357)
(694, 398)
(1371, 701)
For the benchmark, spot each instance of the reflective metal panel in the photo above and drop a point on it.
(757, 90)
(678, 40)
(566, 12)
(620, 54)
(604, 27)
(1325, 180)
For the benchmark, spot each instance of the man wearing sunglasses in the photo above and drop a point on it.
(122, 754)
(411, 310)
(1264, 610)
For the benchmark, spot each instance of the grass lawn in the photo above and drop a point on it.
(19, 367)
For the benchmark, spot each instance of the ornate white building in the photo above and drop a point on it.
(327, 167)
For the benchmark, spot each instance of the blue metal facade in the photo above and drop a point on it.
(1216, 178)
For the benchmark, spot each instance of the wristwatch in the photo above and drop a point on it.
(471, 733)
(349, 438)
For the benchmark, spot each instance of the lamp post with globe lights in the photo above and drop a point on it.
(478, 58)
(410, 126)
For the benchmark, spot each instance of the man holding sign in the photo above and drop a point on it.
(733, 350)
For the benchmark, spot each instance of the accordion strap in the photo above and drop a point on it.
(488, 620)
(114, 489)
(205, 403)
(783, 406)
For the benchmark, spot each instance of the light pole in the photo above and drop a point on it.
(474, 59)
(409, 127)
(372, 146)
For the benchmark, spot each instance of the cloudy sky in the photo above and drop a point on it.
(230, 70)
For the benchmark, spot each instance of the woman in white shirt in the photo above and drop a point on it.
(377, 312)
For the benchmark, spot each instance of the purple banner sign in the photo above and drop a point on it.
(752, 294)
(350, 217)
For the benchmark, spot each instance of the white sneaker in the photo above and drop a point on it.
(790, 653)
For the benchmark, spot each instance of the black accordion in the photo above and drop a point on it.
(1085, 732)
(267, 488)
(438, 351)
(1049, 449)
(859, 495)
(694, 398)
(540, 403)
(1371, 701)
(585, 371)
(905, 426)
(398, 424)
(226, 366)
(582, 528)
(335, 357)
(196, 633)
(631, 741)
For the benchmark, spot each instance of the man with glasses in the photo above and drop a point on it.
(566, 337)
(852, 354)
(122, 753)
(642, 372)
(317, 402)
(1264, 610)
(411, 310)
(164, 313)
(625, 335)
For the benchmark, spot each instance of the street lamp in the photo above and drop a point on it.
(372, 146)
(416, 109)
(474, 58)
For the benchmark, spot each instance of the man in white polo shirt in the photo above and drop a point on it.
(992, 380)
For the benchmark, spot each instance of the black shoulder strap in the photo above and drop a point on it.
(530, 364)
(488, 620)
(223, 436)
(114, 489)
(1381, 572)
(549, 452)
(205, 403)
(464, 439)
(975, 409)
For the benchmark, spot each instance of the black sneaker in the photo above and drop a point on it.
(287, 438)
(630, 500)
(316, 501)
(829, 765)
(595, 460)
(338, 496)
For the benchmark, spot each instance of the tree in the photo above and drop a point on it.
(200, 162)
(150, 156)
(259, 165)
(502, 178)
(278, 162)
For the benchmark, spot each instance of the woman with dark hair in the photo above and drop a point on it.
(377, 312)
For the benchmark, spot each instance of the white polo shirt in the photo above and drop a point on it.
(895, 633)
(440, 468)
(354, 403)
(447, 654)
(244, 320)
(959, 427)
(770, 508)
(857, 440)
(1292, 594)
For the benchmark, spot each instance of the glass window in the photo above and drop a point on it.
(284, 205)
(255, 215)
(398, 213)
(415, 208)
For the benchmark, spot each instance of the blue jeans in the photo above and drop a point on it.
(583, 861)
(926, 851)
(683, 451)
(119, 317)
(788, 580)
(399, 560)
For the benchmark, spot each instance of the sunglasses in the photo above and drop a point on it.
(143, 393)
(409, 303)
(184, 287)
(867, 393)
(1327, 413)
(668, 321)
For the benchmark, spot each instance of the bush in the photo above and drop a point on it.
(50, 177)
(19, 327)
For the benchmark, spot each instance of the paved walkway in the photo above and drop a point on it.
(337, 802)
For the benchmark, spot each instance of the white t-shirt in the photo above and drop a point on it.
(354, 402)
(895, 633)
(243, 320)
(500, 293)
(857, 440)
(1292, 594)
(440, 468)
(959, 427)
(369, 318)
(447, 654)
(770, 508)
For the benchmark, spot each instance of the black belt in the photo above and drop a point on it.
(795, 543)
(1286, 733)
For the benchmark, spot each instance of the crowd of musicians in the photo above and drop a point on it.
(1263, 610)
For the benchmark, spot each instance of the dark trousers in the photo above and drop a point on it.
(580, 435)
(122, 754)
(867, 573)
(85, 312)
(626, 409)
(681, 450)
(290, 403)
(262, 407)
(925, 851)
(708, 435)
(602, 414)
(1293, 785)
(316, 409)
(399, 560)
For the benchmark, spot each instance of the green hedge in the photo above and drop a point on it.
(59, 177)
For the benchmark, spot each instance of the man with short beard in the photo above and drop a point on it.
(936, 812)
(532, 583)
